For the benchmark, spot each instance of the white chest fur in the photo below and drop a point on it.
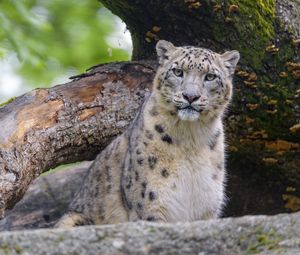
(194, 193)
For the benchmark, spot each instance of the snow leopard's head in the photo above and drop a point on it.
(195, 83)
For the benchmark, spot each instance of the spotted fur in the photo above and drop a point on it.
(171, 161)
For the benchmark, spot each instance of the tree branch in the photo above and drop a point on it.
(67, 123)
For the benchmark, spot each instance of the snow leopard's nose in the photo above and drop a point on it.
(190, 97)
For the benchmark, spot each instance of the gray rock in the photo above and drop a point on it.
(246, 235)
(46, 199)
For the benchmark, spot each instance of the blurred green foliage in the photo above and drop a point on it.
(52, 37)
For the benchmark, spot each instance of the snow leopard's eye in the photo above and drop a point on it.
(210, 77)
(178, 72)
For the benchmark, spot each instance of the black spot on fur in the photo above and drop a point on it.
(139, 206)
(99, 176)
(144, 187)
(108, 174)
(84, 221)
(138, 151)
(46, 217)
(164, 173)
(129, 167)
(159, 128)
(140, 161)
(166, 138)
(125, 200)
(152, 160)
(118, 144)
(128, 180)
(214, 140)
(96, 191)
(149, 135)
(108, 188)
(150, 218)
(152, 196)
(137, 175)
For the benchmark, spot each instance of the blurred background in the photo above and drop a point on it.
(43, 43)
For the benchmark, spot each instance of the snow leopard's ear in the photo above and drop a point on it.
(164, 50)
(230, 59)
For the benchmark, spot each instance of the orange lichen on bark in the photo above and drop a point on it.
(261, 134)
(252, 77)
(250, 84)
(156, 29)
(217, 7)
(296, 74)
(272, 111)
(272, 102)
(290, 189)
(270, 161)
(291, 66)
(296, 42)
(193, 4)
(233, 8)
(228, 20)
(281, 145)
(283, 74)
(270, 85)
(292, 202)
(252, 107)
(295, 128)
(272, 49)
(248, 120)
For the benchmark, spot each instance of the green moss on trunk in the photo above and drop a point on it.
(8, 101)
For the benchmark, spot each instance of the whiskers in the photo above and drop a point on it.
(180, 104)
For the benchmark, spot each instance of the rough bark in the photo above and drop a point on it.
(72, 122)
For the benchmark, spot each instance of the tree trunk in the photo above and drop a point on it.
(263, 124)
(73, 122)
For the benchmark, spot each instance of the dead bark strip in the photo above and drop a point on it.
(67, 123)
